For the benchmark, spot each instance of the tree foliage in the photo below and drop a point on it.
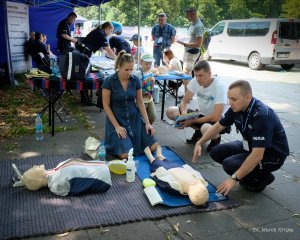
(210, 11)
(291, 9)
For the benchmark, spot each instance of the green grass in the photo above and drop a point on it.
(19, 106)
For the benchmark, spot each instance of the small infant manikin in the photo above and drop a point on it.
(154, 71)
(163, 70)
(177, 179)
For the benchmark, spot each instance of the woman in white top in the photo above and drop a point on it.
(173, 64)
(171, 61)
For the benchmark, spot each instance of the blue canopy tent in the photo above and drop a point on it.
(44, 16)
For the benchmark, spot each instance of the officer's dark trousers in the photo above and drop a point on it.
(231, 155)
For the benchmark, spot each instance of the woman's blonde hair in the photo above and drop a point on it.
(123, 58)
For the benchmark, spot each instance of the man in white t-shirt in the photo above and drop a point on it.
(212, 103)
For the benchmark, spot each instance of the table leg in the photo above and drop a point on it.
(176, 92)
(163, 100)
(52, 106)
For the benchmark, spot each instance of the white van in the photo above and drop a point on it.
(256, 41)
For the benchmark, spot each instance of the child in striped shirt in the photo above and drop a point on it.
(148, 81)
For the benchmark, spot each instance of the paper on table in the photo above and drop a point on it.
(102, 62)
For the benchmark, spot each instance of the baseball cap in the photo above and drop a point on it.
(147, 57)
(191, 9)
(135, 37)
(162, 14)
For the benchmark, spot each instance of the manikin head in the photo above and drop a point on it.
(35, 178)
(198, 193)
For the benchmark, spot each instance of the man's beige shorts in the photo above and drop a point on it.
(189, 62)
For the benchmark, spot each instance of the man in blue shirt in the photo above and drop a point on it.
(163, 36)
(264, 147)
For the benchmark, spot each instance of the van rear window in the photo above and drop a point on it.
(289, 30)
(241, 29)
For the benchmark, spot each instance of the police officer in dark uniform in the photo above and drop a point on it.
(117, 41)
(28, 45)
(93, 42)
(40, 54)
(63, 33)
(264, 147)
(96, 40)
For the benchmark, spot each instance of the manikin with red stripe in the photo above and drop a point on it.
(72, 177)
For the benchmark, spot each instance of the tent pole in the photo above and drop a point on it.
(139, 33)
(99, 13)
(12, 80)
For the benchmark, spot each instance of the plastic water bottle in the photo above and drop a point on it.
(130, 167)
(54, 66)
(155, 94)
(39, 128)
(52, 63)
(101, 151)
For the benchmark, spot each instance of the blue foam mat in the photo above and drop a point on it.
(143, 171)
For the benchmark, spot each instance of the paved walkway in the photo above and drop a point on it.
(272, 214)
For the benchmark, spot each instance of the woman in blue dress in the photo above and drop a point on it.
(127, 124)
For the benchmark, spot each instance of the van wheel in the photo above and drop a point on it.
(206, 56)
(254, 61)
(287, 66)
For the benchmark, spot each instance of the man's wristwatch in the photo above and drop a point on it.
(234, 177)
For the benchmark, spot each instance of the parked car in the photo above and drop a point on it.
(257, 41)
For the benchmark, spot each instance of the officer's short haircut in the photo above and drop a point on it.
(244, 86)
(72, 14)
(202, 64)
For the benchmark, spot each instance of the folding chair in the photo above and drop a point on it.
(45, 94)
(173, 86)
